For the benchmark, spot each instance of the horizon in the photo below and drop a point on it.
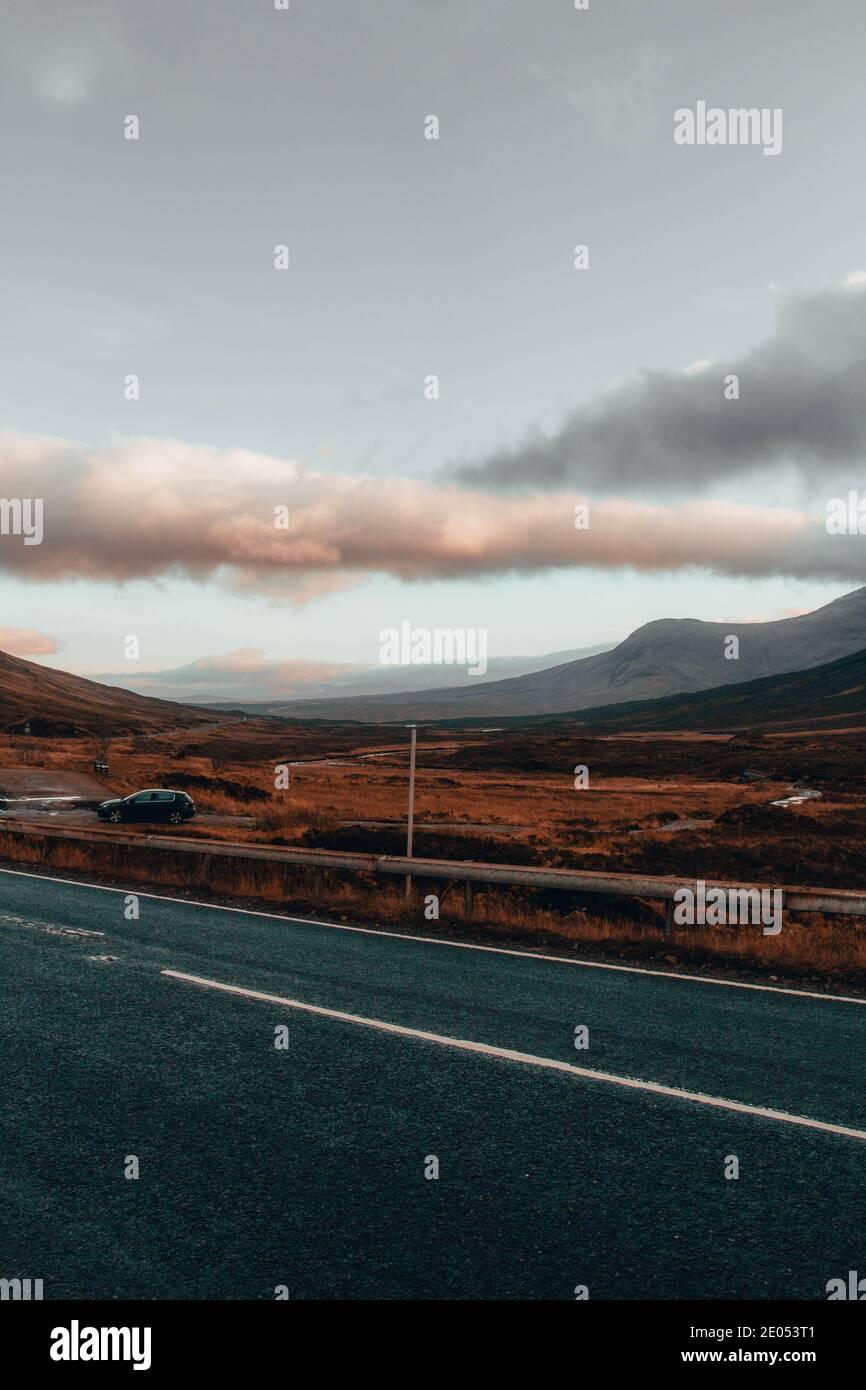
(354, 684)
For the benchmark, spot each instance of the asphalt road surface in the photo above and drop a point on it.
(304, 1166)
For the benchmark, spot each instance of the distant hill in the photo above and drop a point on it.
(670, 656)
(373, 684)
(38, 693)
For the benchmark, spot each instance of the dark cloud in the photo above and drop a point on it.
(801, 400)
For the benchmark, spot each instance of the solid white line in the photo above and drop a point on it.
(527, 1058)
(455, 945)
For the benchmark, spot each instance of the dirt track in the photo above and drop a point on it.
(51, 781)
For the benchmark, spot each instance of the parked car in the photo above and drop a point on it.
(159, 805)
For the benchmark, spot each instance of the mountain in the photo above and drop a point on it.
(47, 698)
(827, 698)
(670, 656)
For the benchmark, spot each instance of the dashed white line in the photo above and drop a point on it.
(525, 1058)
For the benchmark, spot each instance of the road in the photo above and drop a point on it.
(57, 811)
(305, 1166)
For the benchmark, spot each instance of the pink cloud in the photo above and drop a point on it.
(282, 675)
(25, 641)
(150, 508)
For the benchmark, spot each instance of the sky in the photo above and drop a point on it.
(308, 388)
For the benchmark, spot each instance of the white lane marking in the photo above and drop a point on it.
(456, 945)
(527, 1058)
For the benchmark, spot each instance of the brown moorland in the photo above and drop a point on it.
(676, 803)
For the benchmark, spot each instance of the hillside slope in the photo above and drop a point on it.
(828, 697)
(30, 691)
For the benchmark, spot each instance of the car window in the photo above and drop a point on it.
(162, 796)
(140, 799)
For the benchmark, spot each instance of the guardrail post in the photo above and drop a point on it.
(411, 814)
(468, 897)
(669, 916)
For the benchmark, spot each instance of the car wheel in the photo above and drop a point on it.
(175, 818)
(115, 816)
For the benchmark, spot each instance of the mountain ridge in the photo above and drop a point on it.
(665, 657)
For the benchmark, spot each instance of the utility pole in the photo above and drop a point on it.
(411, 818)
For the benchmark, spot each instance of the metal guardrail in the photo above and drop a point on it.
(828, 901)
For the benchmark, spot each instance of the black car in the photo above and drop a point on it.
(160, 805)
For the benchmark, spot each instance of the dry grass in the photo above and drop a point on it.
(219, 803)
(543, 820)
(809, 948)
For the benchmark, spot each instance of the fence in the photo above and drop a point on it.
(827, 901)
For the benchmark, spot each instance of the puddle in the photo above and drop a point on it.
(801, 794)
(35, 924)
(671, 827)
(22, 800)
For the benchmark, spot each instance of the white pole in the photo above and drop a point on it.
(411, 818)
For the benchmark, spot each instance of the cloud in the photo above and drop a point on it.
(155, 508)
(25, 641)
(622, 105)
(64, 59)
(801, 400)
